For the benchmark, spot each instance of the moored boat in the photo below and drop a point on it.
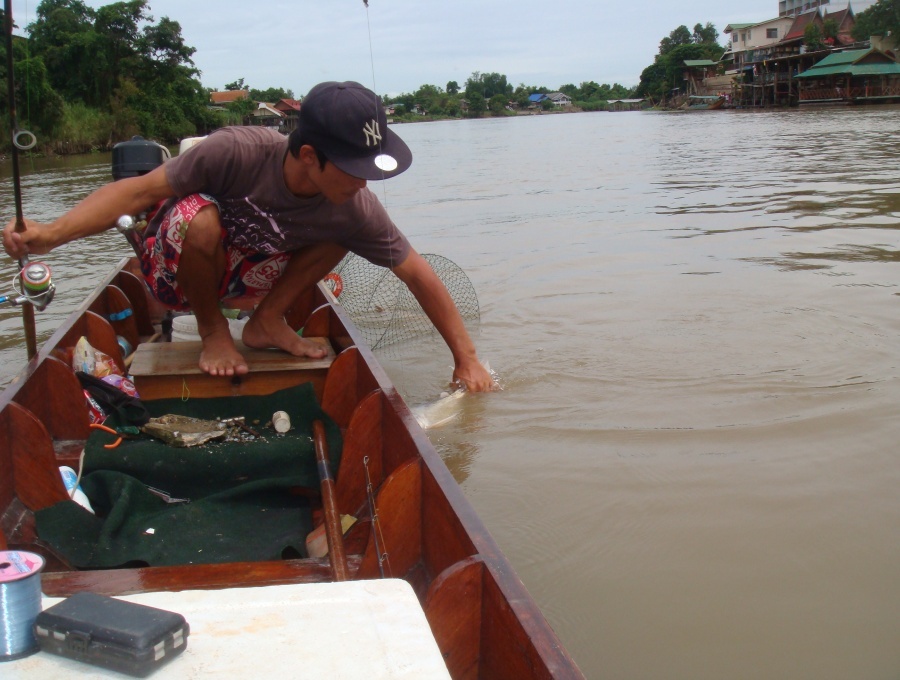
(698, 102)
(411, 518)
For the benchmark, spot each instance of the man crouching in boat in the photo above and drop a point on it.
(248, 209)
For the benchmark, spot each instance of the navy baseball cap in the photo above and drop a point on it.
(347, 123)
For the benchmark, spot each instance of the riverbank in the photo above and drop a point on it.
(61, 148)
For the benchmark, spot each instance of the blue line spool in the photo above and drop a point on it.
(20, 603)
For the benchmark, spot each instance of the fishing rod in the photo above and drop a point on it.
(35, 286)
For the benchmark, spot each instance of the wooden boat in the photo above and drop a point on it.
(697, 102)
(483, 619)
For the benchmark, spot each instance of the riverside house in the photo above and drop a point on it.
(854, 76)
(772, 62)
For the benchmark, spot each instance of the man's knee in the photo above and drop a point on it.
(204, 231)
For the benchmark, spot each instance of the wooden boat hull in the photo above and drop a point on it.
(706, 105)
(485, 622)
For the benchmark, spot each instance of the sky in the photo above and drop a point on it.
(396, 46)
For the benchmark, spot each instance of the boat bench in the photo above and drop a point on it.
(164, 370)
(353, 629)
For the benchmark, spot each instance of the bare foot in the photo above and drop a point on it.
(220, 356)
(263, 332)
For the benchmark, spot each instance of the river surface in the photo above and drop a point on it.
(693, 463)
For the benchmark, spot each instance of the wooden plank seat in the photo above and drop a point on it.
(169, 369)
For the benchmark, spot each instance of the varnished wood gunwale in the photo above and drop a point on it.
(191, 577)
(441, 545)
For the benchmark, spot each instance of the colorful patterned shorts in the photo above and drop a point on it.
(247, 273)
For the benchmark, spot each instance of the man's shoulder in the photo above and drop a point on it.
(238, 144)
(227, 160)
(248, 134)
(365, 206)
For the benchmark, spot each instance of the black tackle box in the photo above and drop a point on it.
(123, 636)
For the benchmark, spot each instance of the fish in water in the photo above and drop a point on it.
(439, 412)
(446, 407)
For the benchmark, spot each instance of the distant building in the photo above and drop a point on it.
(790, 8)
(768, 57)
(266, 115)
(290, 109)
(783, 36)
(853, 76)
(747, 39)
(227, 97)
(559, 99)
(625, 104)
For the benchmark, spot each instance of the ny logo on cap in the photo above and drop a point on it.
(372, 132)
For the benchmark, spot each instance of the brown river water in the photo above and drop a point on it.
(692, 464)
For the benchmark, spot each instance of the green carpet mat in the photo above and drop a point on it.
(244, 498)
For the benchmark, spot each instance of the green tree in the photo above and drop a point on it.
(272, 94)
(665, 74)
(453, 107)
(882, 19)
(680, 36)
(813, 37)
(39, 107)
(497, 104)
(163, 51)
(63, 35)
(430, 98)
(241, 108)
(452, 87)
(119, 60)
(117, 47)
(477, 104)
(236, 85)
(570, 90)
(620, 92)
(705, 35)
(487, 85)
(588, 91)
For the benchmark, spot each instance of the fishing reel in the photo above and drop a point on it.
(32, 285)
(133, 230)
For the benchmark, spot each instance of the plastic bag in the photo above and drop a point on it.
(123, 383)
(92, 361)
(128, 409)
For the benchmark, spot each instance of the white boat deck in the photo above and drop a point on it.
(356, 629)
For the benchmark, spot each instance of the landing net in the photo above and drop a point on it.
(381, 305)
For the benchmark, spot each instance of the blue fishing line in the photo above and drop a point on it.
(20, 603)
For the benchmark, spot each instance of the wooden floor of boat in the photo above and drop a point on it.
(167, 369)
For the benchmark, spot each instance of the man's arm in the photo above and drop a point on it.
(431, 293)
(96, 213)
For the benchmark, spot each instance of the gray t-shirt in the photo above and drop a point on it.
(241, 168)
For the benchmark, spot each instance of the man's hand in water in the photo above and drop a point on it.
(475, 376)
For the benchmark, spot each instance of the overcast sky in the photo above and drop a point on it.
(295, 44)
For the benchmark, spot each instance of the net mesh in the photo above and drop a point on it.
(381, 305)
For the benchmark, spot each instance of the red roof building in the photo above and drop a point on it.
(227, 96)
(288, 106)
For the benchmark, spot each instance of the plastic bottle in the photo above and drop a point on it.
(69, 478)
